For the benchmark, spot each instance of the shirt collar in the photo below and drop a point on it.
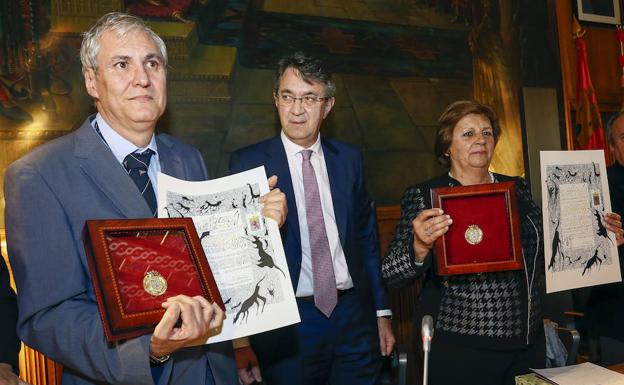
(119, 145)
(293, 148)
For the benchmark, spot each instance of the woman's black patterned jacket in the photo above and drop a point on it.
(499, 310)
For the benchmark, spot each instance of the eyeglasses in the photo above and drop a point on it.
(308, 101)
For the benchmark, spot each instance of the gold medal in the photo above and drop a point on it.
(154, 283)
(473, 235)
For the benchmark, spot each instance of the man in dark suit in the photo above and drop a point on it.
(605, 312)
(9, 343)
(104, 170)
(330, 243)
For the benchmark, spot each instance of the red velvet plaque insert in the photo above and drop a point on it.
(485, 234)
(136, 264)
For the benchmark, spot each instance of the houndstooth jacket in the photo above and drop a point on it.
(498, 310)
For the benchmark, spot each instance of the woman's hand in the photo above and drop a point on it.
(613, 223)
(428, 226)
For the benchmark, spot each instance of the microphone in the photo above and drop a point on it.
(427, 332)
(427, 335)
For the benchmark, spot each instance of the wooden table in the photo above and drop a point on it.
(617, 367)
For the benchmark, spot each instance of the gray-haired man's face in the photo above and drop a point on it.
(130, 86)
(617, 136)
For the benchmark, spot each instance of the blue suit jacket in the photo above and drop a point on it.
(49, 194)
(355, 217)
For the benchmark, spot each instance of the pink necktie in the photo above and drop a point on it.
(325, 294)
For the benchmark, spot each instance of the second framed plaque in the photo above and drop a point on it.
(485, 234)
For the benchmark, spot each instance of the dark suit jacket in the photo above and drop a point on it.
(9, 343)
(615, 173)
(50, 193)
(355, 217)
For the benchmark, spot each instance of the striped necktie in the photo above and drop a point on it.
(136, 164)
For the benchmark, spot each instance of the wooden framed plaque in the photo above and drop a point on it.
(485, 234)
(136, 264)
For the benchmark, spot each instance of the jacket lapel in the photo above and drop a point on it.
(100, 165)
(338, 187)
(170, 162)
(277, 163)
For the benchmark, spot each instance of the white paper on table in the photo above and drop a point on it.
(582, 374)
(244, 249)
(578, 250)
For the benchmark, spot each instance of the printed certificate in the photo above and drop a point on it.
(244, 249)
(578, 249)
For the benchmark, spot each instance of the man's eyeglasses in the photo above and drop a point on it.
(308, 101)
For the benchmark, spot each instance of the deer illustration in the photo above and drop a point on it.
(253, 196)
(254, 299)
(591, 262)
(556, 248)
(183, 207)
(602, 230)
(266, 260)
(174, 209)
(207, 205)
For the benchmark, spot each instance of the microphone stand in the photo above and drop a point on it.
(426, 368)
(427, 337)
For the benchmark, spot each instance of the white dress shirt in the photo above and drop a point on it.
(341, 271)
(122, 147)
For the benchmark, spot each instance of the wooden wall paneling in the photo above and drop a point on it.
(603, 50)
(402, 301)
(541, 131)
(387, 219)
(567, 56)
(37, 369)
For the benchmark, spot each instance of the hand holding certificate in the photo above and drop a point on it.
(243, 248)
(214, 242)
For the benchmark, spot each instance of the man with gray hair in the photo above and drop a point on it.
(605, 312)
(615, 172)
(105, 170)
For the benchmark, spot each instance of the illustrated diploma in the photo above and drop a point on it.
(244, 249)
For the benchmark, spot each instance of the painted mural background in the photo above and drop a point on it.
(398, 63)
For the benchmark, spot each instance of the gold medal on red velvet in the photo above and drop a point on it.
(154, 283)
(473, 235)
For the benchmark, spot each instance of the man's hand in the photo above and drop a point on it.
(275, 206)
(7, 377)
(200, 320)
(386, 336)
(247, 365)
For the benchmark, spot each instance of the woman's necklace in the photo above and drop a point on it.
(492, 180)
